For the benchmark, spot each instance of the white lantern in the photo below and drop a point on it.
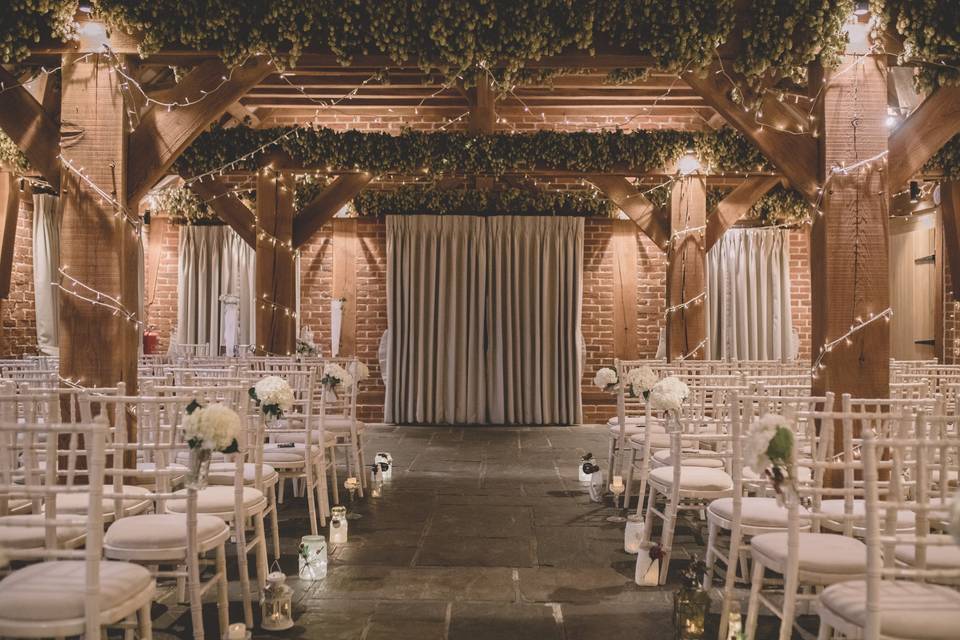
(313, 558)
(633, 534)
(376, 481)
(276, 605)
(385, 462)
(338, 525)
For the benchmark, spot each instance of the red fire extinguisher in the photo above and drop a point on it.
(151, 341)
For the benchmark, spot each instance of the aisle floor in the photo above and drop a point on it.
(482, 532)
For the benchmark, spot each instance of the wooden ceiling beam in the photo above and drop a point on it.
(921, 135)
(31, 128)
(10, 210)
(637, 207)
(163, 135)
(795, 156)
(950, 211)
(736, 205)
(321, 209)
(217, 194)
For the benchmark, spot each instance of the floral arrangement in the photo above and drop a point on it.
(669, 395)
(358, 370)
(214, 427)
(418, 200)
(334, 375)
(768, 448)
(305, 348)
(273, 395)
(606, 379)
(639, 381)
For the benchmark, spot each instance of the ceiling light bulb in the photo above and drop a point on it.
(689, 163)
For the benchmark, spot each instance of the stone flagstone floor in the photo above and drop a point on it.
(483, 532)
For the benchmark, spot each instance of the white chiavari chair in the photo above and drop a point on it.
(160, 539)
(898, 600)
(340, 419)
(73, 591)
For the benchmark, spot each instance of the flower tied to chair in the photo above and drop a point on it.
(668, 395)
(639, 381)
(768, 450)
(606, 379)
(334, 376)
(214, 427)
(273, 395)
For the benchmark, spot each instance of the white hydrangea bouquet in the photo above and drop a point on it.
(214, 427)
(767, 451)
(669, 395)
(606, 379)
(358, 370)
(335, 376)
(273, 395)
(639, 381)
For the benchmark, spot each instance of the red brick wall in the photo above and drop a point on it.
(800, 288)
(18, 319)
(160, 307)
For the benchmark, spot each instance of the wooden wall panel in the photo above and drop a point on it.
(623, 244)
(345, 280)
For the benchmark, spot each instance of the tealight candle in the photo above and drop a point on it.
(236, 631)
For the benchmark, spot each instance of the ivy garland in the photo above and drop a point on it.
(27, 22)
(11, 156)
(946, 160)
(182, 206)
(427, 200)
(451, 152)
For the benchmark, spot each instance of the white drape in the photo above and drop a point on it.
(483, 315)
(748, 296)
(46, 263)
(213, 261)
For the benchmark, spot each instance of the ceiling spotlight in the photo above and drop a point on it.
(914, 192)
(861, 7)
(689, 163)
(85, 7)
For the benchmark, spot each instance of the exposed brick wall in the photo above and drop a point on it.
(18, 319)
(161, 307)
(951, 318)
(800, 288)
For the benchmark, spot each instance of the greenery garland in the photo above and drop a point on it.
(931, 32)
(182, 206)
(946, 161)
(455, 36)
(428, 200)
(414, 152)
(11, 156)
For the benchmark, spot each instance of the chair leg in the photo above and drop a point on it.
(710, 556)
(223, 595)
(825, 632)
(789, 604)
(611, 456)
(753, 606)
(244, 573)
(282, 483)
(729, 582)
(261, 551)
(355, 454)
(146, 622)
(648, 516)
(669, 524)
(626, 496)
(273, 512)
(196, 600)
(333, 474)
(311, 502)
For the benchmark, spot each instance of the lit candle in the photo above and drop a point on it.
(237, 631)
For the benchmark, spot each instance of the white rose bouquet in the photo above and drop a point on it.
(639, 381)
(214, 427)
(334, 375)
(273, 395)
(669, 395)
(606, 379)
(767, 450)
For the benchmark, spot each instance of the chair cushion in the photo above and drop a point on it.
(938, 557)
(663, 459)
(138, 501)
(161, 531)
(301, 437)
(49, 591)
(632, 421)
(905, 518)
(339, 424)
(908, 609)
(827, 553)
(694, 478)
(222, 473)
(634, 429)
(658, 440)
(16, 533)
(754, 512)
(217, 499)
(183, 457)
(805, 474)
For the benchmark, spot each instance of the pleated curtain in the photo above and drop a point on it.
(46, 264)
(748, 296)
(213, 261)
(483, 315)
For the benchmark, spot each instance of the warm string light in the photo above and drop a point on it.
(43, 73)
(273, 305)
(119, 209)
(685, 232)
(95, 297)
(697, 299)
(845, 338)
(703, 344)
(846, 170)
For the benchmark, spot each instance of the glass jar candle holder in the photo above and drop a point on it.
(584, 468)
(385, 460)
(633, 534)
(313, 558)
(338, 525)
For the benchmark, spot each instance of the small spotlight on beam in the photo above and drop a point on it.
(914, 192)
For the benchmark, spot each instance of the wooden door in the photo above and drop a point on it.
(913, 287)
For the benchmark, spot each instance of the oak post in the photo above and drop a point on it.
(686, 270)
(276, 264)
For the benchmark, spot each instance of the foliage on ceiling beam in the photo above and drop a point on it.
(455, 36)
(10, 155)
(931, 37)
(414, 152)
(946, 161)
(182, 206)
(780, 205)
(416, 199)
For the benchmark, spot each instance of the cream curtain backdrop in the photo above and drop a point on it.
(213, 261)
(46, 264)
(748, 296)
(483, 315)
